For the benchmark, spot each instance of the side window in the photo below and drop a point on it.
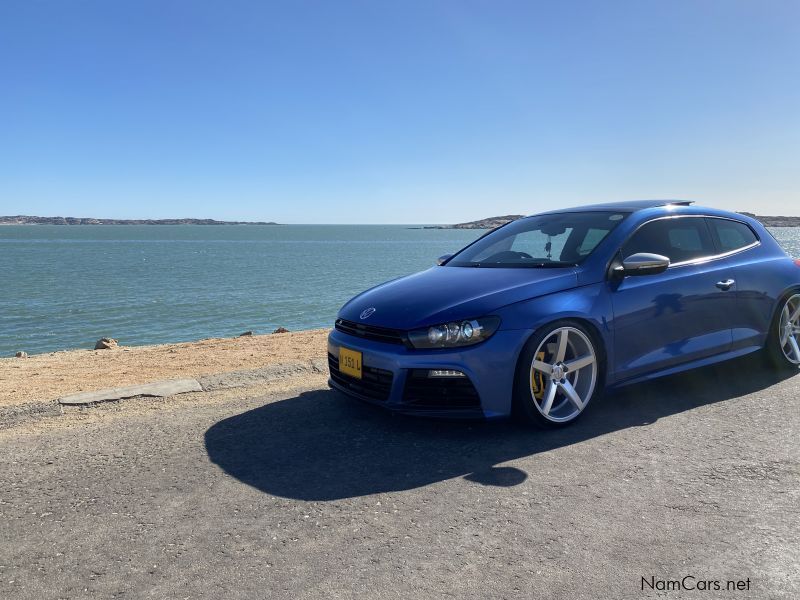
(679, 239)
(731, 235)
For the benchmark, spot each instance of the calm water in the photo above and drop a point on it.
(64, 287)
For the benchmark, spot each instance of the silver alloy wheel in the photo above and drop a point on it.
(566, 363)
(789, 330)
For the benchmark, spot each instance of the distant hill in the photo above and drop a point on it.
(493, 222)
(489, 223)
(26, 220)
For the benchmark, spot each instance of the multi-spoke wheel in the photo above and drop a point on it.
(783, 343)
(559, 374)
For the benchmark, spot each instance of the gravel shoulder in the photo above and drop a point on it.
(46, 377)
(290, 490)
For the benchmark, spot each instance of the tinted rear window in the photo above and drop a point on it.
(731, 235)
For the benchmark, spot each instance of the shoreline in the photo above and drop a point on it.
(49, 376)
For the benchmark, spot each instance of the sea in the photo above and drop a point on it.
(64, 287)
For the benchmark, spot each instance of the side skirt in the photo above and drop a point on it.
(710, 360)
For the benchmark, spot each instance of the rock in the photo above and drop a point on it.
(105, 344)
(21, 355)
(281, 330)
(246, 334)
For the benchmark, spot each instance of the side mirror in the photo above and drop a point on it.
(644, 263)
(443, 259)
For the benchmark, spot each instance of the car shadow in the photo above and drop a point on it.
(322, 445)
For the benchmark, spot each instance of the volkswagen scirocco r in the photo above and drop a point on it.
(538, 316)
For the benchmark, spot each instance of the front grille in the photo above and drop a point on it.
(375, 384)
(370, 332)
(439, 393)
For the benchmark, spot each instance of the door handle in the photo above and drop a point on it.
(725, 285)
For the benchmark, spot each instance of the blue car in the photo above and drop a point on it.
(537, 317)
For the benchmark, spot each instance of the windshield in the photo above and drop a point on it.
(555, 240)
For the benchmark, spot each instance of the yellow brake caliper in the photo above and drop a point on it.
(537, 380)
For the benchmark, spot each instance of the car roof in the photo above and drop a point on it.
(626, 206)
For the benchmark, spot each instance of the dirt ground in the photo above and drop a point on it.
(46, 377)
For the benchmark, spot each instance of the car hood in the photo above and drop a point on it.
(443, 294)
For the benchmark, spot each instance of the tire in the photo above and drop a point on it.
(782, 349)
(557, 377)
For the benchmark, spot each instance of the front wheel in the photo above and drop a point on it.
(558, 376)
(783, 341)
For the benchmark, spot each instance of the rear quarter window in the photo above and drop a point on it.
(731, 235)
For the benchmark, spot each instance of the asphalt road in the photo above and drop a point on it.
(312, 495)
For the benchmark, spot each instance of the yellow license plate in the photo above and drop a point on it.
(350, 362)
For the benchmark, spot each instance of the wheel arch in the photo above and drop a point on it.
(782, 297)
(773, 351)
(591, 328)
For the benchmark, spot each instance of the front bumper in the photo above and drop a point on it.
(389, 369)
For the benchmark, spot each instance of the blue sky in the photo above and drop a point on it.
(404, 112)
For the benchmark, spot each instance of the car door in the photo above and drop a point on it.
(665, 319)
(738, 243)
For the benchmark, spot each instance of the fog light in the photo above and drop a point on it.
(444, 373)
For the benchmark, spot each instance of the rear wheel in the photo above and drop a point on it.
(783, 341)
(558, 375)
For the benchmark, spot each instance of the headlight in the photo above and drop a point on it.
(455, 334)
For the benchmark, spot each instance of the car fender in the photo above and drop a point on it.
(590, 304)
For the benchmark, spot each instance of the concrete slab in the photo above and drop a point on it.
(159, 389)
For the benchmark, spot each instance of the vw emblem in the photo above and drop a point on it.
(367, 312)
